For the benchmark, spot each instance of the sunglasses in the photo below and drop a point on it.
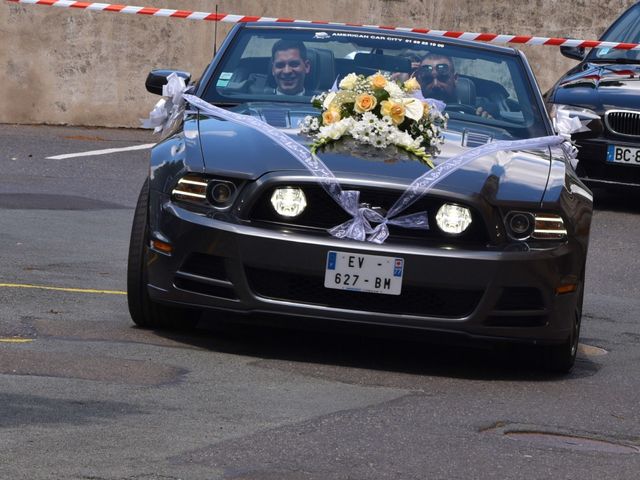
(292, 64)
(428, 73)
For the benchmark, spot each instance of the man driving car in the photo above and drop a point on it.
(289, 67)
(438, 79)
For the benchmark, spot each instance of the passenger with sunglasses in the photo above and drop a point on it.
(438, 79)
(289, 67)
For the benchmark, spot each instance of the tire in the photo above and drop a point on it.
(145, 312)
(561, 358)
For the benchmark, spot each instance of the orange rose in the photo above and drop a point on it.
(330, 116)
(393, 110)
(365, 103)
(427, 109)
(378, 81)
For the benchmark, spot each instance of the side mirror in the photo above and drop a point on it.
(576, 53)
(158, 78)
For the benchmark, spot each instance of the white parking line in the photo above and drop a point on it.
(101, 152)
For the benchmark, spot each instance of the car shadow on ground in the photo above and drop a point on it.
(383, 349)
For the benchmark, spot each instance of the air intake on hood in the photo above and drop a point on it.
(276, 118)
(474, 139)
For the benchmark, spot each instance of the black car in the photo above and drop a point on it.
(606, 84)
(228, 220)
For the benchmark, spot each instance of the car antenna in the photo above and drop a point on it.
(215, 33)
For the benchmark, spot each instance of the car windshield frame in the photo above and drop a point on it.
(516, 85)
(625, 29)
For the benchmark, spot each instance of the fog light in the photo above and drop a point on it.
(453, 219)
(288, 201)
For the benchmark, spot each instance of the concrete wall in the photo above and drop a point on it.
(68, 66)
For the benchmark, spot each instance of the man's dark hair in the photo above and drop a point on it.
(286, 44)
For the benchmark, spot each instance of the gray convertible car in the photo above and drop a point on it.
(229, 220)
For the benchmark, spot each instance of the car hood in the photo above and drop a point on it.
(601, 87)
(236, 150)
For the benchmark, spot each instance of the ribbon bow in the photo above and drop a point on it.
(167, 109)
(359, 227)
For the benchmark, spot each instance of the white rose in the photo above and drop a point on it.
(348, 82)
(394, 89)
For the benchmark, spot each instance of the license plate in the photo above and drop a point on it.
(364, 273)
(625, 155)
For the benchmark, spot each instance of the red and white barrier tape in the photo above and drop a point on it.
(229, 18)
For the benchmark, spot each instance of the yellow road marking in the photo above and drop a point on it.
(16, 340)
(62, 289)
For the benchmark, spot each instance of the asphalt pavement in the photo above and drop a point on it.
(86, 395)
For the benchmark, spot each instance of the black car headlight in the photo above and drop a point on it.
(556, 110)
(538, 226)
(203, 191)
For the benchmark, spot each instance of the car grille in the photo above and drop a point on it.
(623, 122)
(309, 289)
(323, 213)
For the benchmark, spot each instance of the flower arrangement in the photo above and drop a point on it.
(380, 112)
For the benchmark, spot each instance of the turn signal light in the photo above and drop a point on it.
(571, 287)
(161, 246)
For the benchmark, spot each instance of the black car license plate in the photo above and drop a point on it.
(624, 155)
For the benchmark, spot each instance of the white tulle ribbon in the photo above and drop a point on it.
(360, 226)
(568, 122)
(168, 108)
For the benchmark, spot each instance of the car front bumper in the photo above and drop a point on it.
(594, 169)
(497, 294)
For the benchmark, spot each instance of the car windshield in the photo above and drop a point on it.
(267, 64)
(626, 30)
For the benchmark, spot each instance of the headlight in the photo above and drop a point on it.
(199, 190)
(549, 227)
(539, 226)
(520, 225)
(557, 110)
(288, 201)
(221, 193)
(191, 188)
(453, 219)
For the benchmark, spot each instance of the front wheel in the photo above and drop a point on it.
(145, 312)
(560, 358)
